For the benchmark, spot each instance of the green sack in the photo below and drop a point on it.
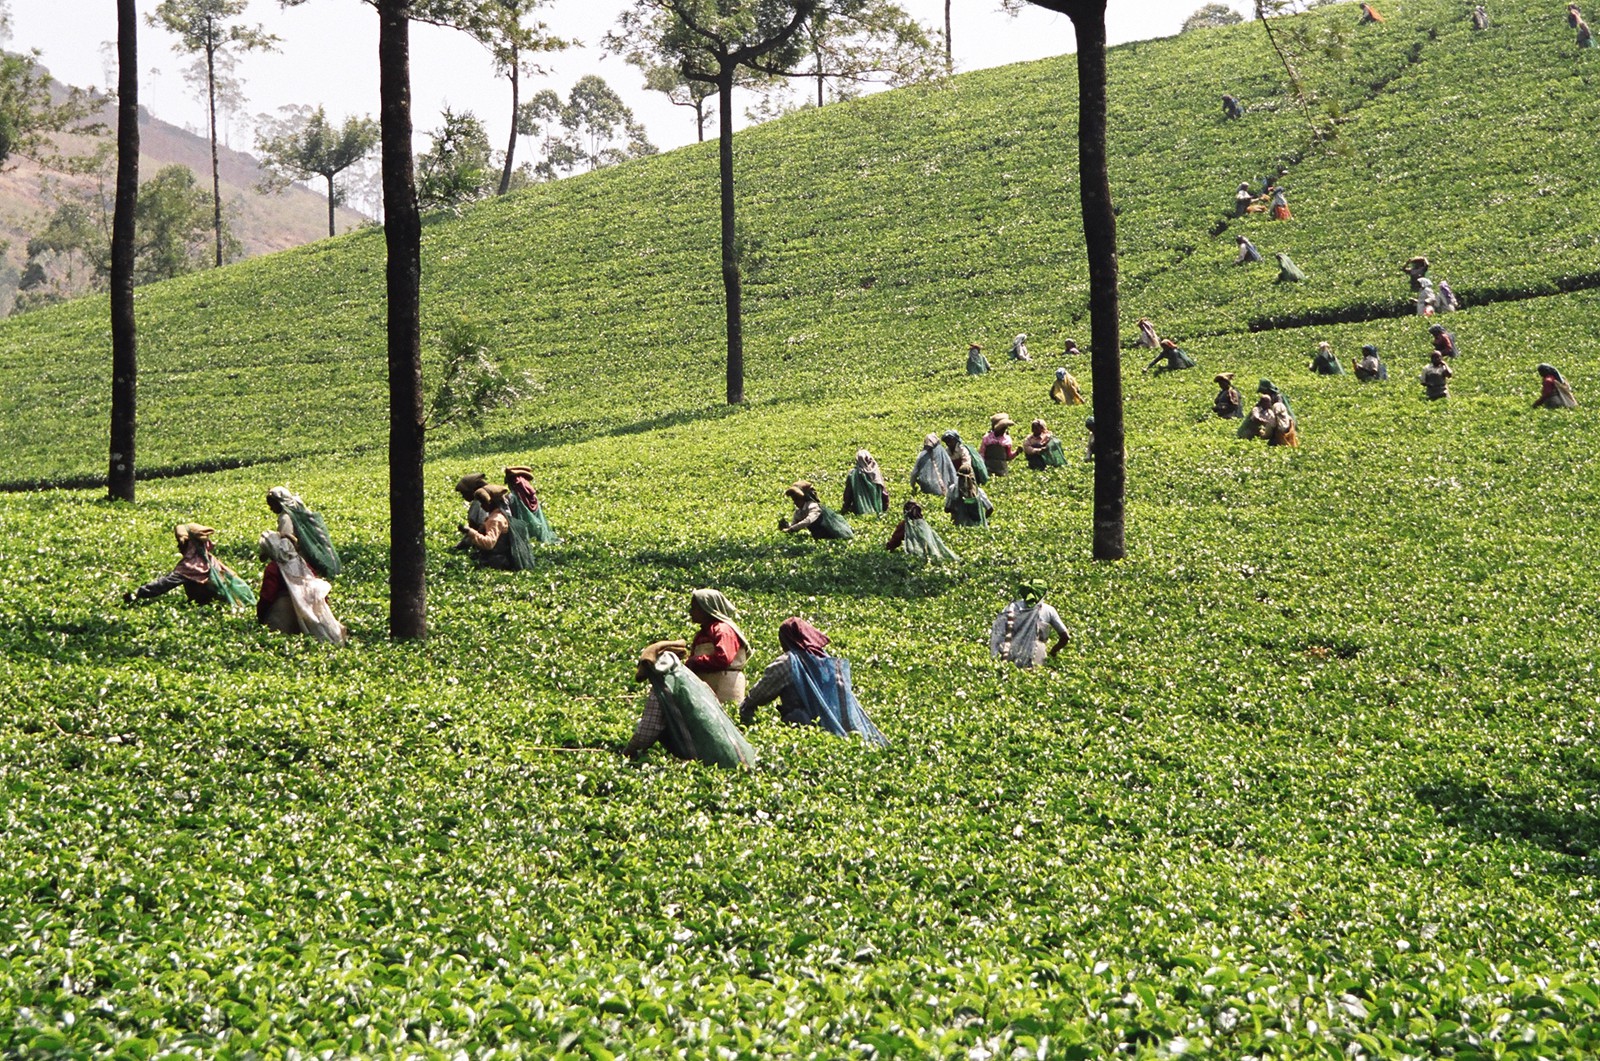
(315, 544)
(980, 470)
(520, 521)
(861, 495)
(230, 587)
(831, 525)
(921, 540)
(534, 525)
(1054, 455)
(697, 727)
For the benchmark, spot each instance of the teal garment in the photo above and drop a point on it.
(1288, 271)
(314, 542)
(229, 586)
(863, 496)
(1326, 364)
(1054, 456)
(977, 364)
(518, 519)
(697, 727)
(831, 525)
(921, 540)
(980, 470)
(1176, 358)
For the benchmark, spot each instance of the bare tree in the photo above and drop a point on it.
(1100, 242)
(203, 29)
(124, 343)
(402, 231)
(711, 42)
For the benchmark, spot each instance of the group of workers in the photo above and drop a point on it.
(299, 559)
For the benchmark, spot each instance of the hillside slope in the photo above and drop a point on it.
(888, 232)
(261, 223)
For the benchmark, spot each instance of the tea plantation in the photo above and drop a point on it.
(1316, 776)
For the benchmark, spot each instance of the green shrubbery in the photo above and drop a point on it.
(1316, 776)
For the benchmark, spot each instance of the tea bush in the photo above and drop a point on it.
(1315, 777)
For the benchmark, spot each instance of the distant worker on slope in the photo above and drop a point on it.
(1147, 334)
(1019, 633)
(933, 472)
(917, 538)
(682, 713)
(1574, 16)
(977, 364)
(1480, 17)
(305, 531)
(203, 577)
(1280, 203)
(1370, 14)
(1435, 379)
(1288, 271)
(1019, 348)
(1585, 35)
(1247, 251)
(810, 514)
(997, 448)
(1555, 394)
(1229, 403)
(812, 688)
(865, 492)
(1415, 268)
(1370, 368)
(499, 544)
(1231, 108)
(294, 600)
(1042, 448)
(1443, 341)
(1174, 356)
(1270, 418)
(1324, 362)
(1064, 391)
(1242, 198)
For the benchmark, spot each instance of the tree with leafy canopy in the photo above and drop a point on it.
(679, 90)
(711, 41)
(1208, 16)
(303, 144)
(203, 29)
(402, 232)
(513, 42)
(1100, 243)
(877, 41)
(172, 230)
(458, 167)
(28, 117)
(124, 339)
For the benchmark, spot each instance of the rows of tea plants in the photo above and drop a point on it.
(882, 236)
(1316, 775)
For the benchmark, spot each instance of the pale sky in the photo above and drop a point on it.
(328, 56)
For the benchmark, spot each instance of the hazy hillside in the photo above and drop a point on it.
(261, 223)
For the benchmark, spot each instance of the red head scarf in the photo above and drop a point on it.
(797, 635)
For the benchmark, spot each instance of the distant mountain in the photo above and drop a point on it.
(262, 223)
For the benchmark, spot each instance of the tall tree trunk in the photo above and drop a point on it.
(124, 344)
(700, 120)
(408, 600)
(949, 55)
(730, 251)
(216, 172)
(511, 146)
(1100, 239)
(821, 80)
(330, 204)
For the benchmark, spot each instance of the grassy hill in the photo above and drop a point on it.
(1315, 777)
(261, 223)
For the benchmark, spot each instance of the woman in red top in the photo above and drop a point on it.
(719, 651)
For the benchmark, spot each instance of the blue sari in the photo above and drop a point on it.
(820, 685)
